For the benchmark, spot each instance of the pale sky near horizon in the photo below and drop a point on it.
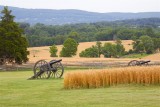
(89, 5)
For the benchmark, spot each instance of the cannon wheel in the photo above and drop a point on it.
(134, 63)
(58, 69)
(41, 69)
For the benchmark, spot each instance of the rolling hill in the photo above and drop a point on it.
(60, 17)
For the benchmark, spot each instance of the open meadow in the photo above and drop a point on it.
(17, 91)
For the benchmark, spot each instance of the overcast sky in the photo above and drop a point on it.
(89, 5)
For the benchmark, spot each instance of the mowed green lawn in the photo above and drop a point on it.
(17, 91)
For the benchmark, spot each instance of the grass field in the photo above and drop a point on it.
(136, 56)
(17, 91)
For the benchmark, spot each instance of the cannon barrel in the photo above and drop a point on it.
(143, 62)
(50, 63)
(55, 61)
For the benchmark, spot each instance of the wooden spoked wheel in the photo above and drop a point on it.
(57, 69)
(134, 63)
(41, 69)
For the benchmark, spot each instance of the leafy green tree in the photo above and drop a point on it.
(13, 46)
(109, 50)
(138, 46)
(148, 44)
(74, 35)
(113, 50)
(91, 52)
(69, 48)
(105, 35)
(53, 51)
(149, 32)
(125, 33)
(99, 47)
(24, 26)
(120, 50)
(156, 42)
(59, 39)
(144, 44)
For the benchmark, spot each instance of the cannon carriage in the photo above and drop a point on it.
(43, 69)
(138, 63)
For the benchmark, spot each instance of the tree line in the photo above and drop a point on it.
(144, 44)
(46, 35)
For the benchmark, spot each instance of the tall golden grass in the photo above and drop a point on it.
(109, 77)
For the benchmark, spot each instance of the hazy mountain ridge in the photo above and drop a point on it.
(70, 16)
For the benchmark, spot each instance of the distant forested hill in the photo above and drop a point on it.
(42, 35)
(60, 17)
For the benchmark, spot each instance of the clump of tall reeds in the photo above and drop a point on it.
(109, 77)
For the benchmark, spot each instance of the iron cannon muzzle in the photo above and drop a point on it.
(55, 61)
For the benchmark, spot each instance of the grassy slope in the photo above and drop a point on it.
(16, 91)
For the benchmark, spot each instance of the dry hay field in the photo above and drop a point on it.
(110, 77)
(37, 53)
(153, 56)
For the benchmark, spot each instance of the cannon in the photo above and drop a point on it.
(138, 63)
(43, 69)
